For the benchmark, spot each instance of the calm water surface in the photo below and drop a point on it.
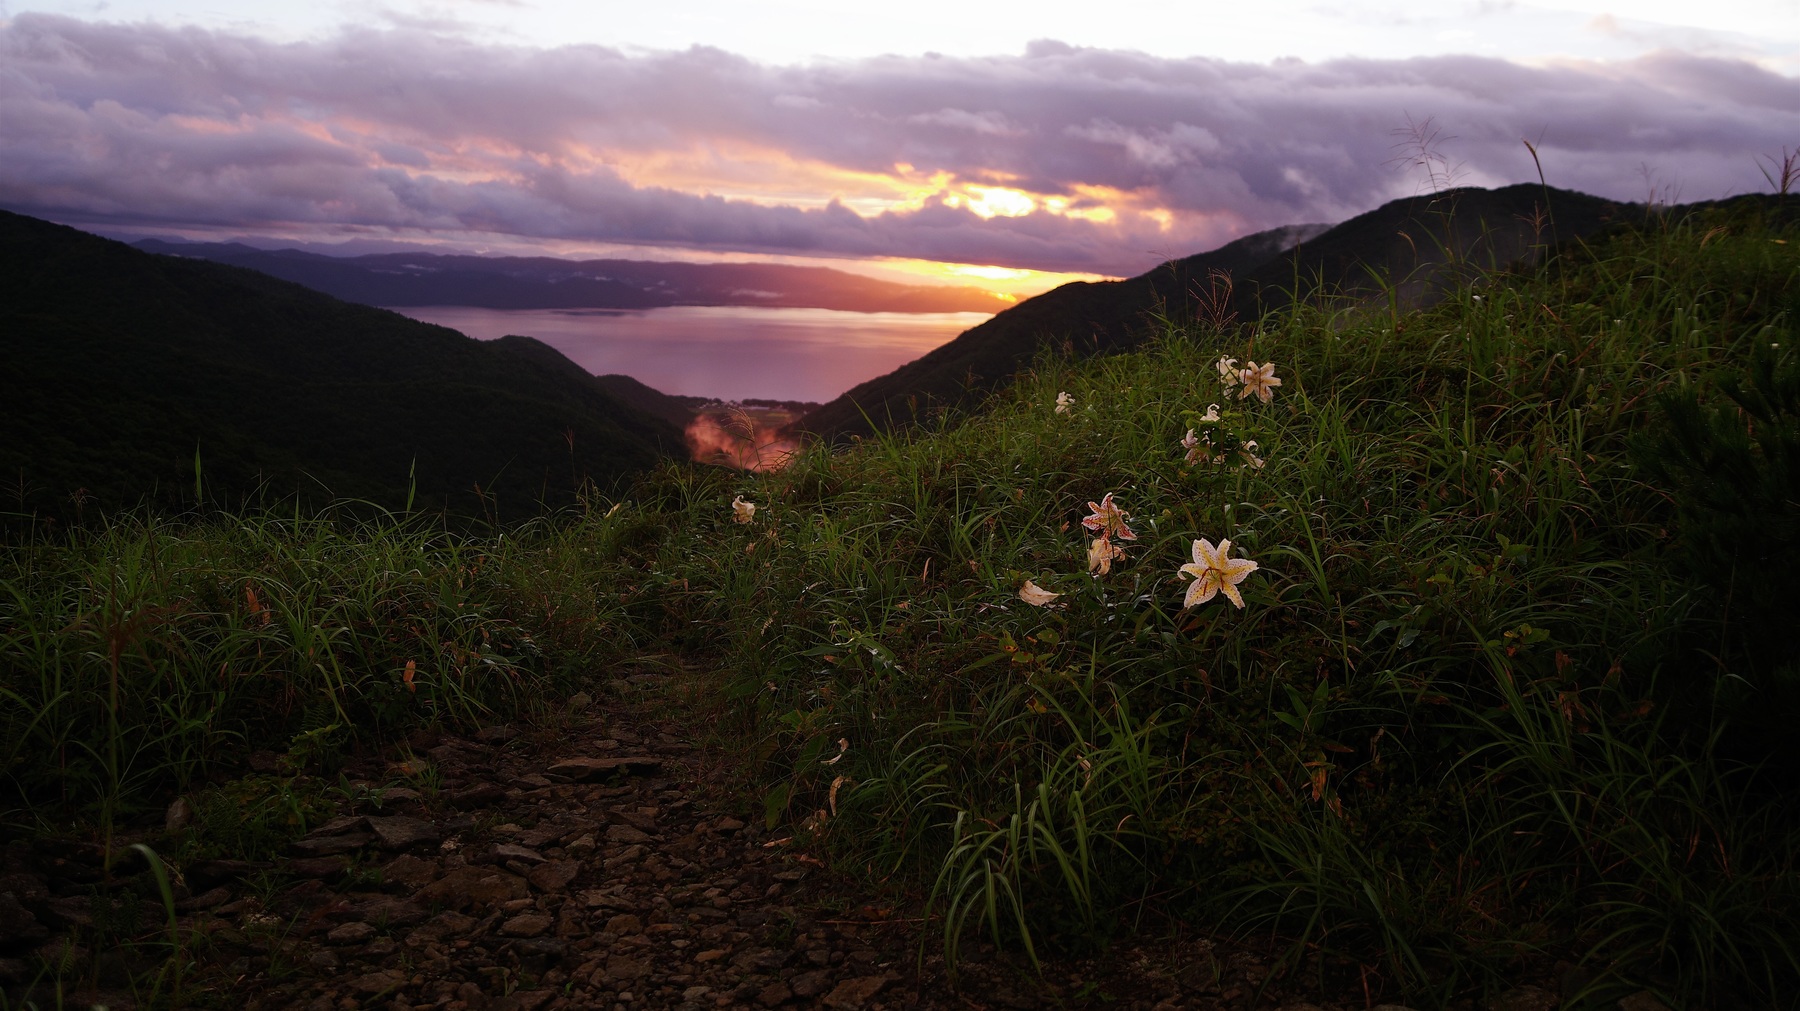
(729, 352)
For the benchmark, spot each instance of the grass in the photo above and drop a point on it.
(145, 657)
(1470, 718)
(1491, 702)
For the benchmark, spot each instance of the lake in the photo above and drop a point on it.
(727, 352)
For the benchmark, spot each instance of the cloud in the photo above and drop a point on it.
(1122, 158)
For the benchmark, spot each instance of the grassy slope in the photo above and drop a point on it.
(122, 363)
(1464, 718)
(1464, 726)
(1409, 248)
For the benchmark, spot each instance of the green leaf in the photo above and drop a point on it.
(775, 805)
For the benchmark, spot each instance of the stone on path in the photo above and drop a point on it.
(625, 835)
(340, 825)
(623, 968)
(553, 876)
(350, 933)
(410, 871)
(852, 994)
(583, 770)
(400, 832)
(811, 984)
(332, 845)
(526, 925)
(524, 1000)
(479, 886)
(385, 981)
(391, 912)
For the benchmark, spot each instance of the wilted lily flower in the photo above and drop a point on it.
(742, 511)
(1063, 402)
(1260, 380)
(1191, 443)
(1228, 371)
(1101, 554)
(1108, 520)
(1212, 413)
(1035, 595)
(1215, 572)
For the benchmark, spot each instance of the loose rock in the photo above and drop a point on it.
(410, 871)
(350, 933)
(379, 982)
(553, 876)
(400, 832)
(852, 994)
(586, 769)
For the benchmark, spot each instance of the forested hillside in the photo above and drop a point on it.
(125, 367)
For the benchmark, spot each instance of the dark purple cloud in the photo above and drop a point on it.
(410, 131)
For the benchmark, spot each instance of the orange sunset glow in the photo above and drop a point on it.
(996, 177)
(772, 177)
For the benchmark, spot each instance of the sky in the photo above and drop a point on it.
(1011, 144)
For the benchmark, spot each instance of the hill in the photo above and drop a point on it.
(125, 364)
(1415, 244)
(545, 282)
(1472, 685)
(676, 409)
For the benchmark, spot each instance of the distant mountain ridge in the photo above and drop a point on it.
(676, 409)
(544, 282)
(122, 365)
(1417, 245)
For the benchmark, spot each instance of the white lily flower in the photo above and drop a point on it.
(1108, 520)
(1215, 572)
(742, 511)
(1260, 380)
(1228, 371)
(1063, 402)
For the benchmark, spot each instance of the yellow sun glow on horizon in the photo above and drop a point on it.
(733, 171)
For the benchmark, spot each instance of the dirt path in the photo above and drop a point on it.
(605, 865)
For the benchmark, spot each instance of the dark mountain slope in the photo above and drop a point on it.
(120, 363)
(1418, 244)
(676, 410)
(1084, 317)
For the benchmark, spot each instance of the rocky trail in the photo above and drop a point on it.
(603, 864)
